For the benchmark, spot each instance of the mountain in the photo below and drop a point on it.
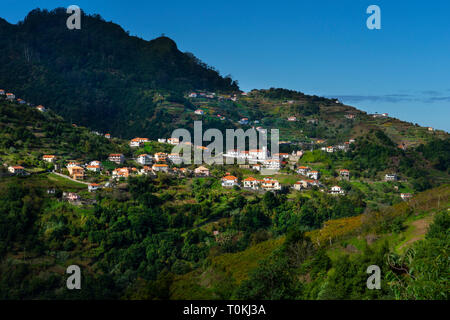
(98, 76)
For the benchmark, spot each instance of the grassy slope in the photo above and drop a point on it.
(230, 269)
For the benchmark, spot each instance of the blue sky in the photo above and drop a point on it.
(317, 47)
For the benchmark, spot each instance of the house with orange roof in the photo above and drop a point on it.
(72, 164)
(274, 164)
(117, 158)
(282, 155)
(10, 96)
(303, 170)
(49, 158)
(258, 153)
(229, 181)
(107, 136)
(174, 158)
(147, 171)
(201, 171)
(160, 167)
(93, 168)
(313, 174)
(76, 172)
(344, 173)
(292, 118)
(199, 112)
(2, 92)
(256, 167)
(329, 149)
(337, 190)
(252, 183)
(121, 173)
(41, 108)
(270, 184)
(160, 156)
(137, 142)
(17, 170)
(144, 159)
(93, 187)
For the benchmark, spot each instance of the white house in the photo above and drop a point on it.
(2, 92)
(330, 149)
(49, 158)
(147, 171)
(174, 158)
(95, 163)
(192, 95)
(251, 183)
(337, 190)
(144, 159)
(344, 173)
(229, 181)
(256, 167)
(292, 118)
(390, 177)
(160, 167)
(406, 196)
(173, 141)
(303, 170)
(274, 164)
(10, 96)
(93, 168)
(160, 156)
(137, 142)
(313, 174)
(116, 158)
(19, 170)
(41, 108)
(243, 121)
(258, 153)
(93, 187)
(199, 112)
(201, 171)
(162, 140)
(270, 184)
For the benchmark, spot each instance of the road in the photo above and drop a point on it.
(67, 177)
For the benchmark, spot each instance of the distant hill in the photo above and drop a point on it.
(98, 76)
(103, 78)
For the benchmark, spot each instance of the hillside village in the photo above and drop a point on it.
(111, 171)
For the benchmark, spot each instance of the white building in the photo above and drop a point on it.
(390, 177)
(313, 174)
(406, 196)
(49, 158)
(229, 181)
(19, 170)
(174, 158)
(137, 142)
(173, 141)
(116, 158)
(303, 170)
(252, 183)
(93, 168)
(144, 159)
(270, 184)
(160, 167)
(93, 187)
(337, 190)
